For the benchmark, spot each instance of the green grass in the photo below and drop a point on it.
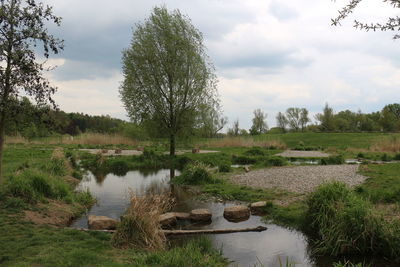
(325, 140)
(383, 184)
(25, 244)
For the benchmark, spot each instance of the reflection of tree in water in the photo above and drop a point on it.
(99, 175)
(148, 172)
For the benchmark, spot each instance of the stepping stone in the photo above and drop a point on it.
(167, 219)
(258, 207)
(200, 215)
(101, 223)
(237, 213)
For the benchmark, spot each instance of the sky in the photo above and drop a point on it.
(268, 54)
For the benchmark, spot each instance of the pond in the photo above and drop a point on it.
(242, 249)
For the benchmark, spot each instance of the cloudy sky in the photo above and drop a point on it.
(269, 54)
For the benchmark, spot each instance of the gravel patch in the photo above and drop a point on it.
(302, 154)
(299, 179)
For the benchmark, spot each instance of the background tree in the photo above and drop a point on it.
(235, 130)
(167, 75)
(22, 26)
(259, 123)
(281, 121)
(326, 119)
(391, 24)
(297, 118)
(304, 119)
(210, 121)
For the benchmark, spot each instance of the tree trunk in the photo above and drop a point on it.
(172, 145)
(2, 134)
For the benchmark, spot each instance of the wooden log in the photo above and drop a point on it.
(214, 231)
(196, 232)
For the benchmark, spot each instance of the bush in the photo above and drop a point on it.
(226, 167)
(397, 156)
(385, 157)
(333, 160)
(18, 186)
(195, 174)
(276, 161)
(254, 152)
(345, 223)
(243, 160)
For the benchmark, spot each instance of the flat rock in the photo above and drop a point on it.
(101, 223)
(200, 215)
(257, 207)
(182, 215)
(237, 213)
(167, 219)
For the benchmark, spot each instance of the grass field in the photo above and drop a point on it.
(26, 244)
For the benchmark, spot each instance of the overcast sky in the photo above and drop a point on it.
(268, 54)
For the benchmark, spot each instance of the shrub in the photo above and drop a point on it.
(243, 160)
(333, 160)
(397, 156)
(18, 186)
(225, 167)
(254, 152)
(195, 174)
(276, 161)
(385, 157)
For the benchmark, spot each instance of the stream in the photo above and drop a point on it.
(241, 249)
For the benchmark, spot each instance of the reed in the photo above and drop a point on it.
(139, 227)
(388, 144)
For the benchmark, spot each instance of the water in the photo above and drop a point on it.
(243, 249)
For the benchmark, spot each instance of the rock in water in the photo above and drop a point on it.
(258, 207)
(200, 215)
(236, 213)
(101, 223)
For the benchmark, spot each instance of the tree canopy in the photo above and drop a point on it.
(22, 26)
(168, 78)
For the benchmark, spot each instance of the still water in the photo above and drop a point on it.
(242, 249)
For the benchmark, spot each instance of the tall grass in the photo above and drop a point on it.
(16, 140)
(387, 144)
(345, 223)
(245, 142)
(139, 227)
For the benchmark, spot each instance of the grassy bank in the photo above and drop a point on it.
(39, 192)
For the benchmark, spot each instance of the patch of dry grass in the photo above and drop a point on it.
(388, 144)
(15, 140)
(140, 227)
(244, 142)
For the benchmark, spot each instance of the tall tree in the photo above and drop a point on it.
(326, 119)
(259, 122)
(281, 121)
(304, 119)
(391, 24)
(167, 74)
(235, 130)
(22, 27)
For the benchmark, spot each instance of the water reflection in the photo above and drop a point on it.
(244, 249)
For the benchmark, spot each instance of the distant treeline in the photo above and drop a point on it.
(29, 120)
(298, 120)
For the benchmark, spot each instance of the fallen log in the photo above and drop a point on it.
(196, 232)
(212, 231)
